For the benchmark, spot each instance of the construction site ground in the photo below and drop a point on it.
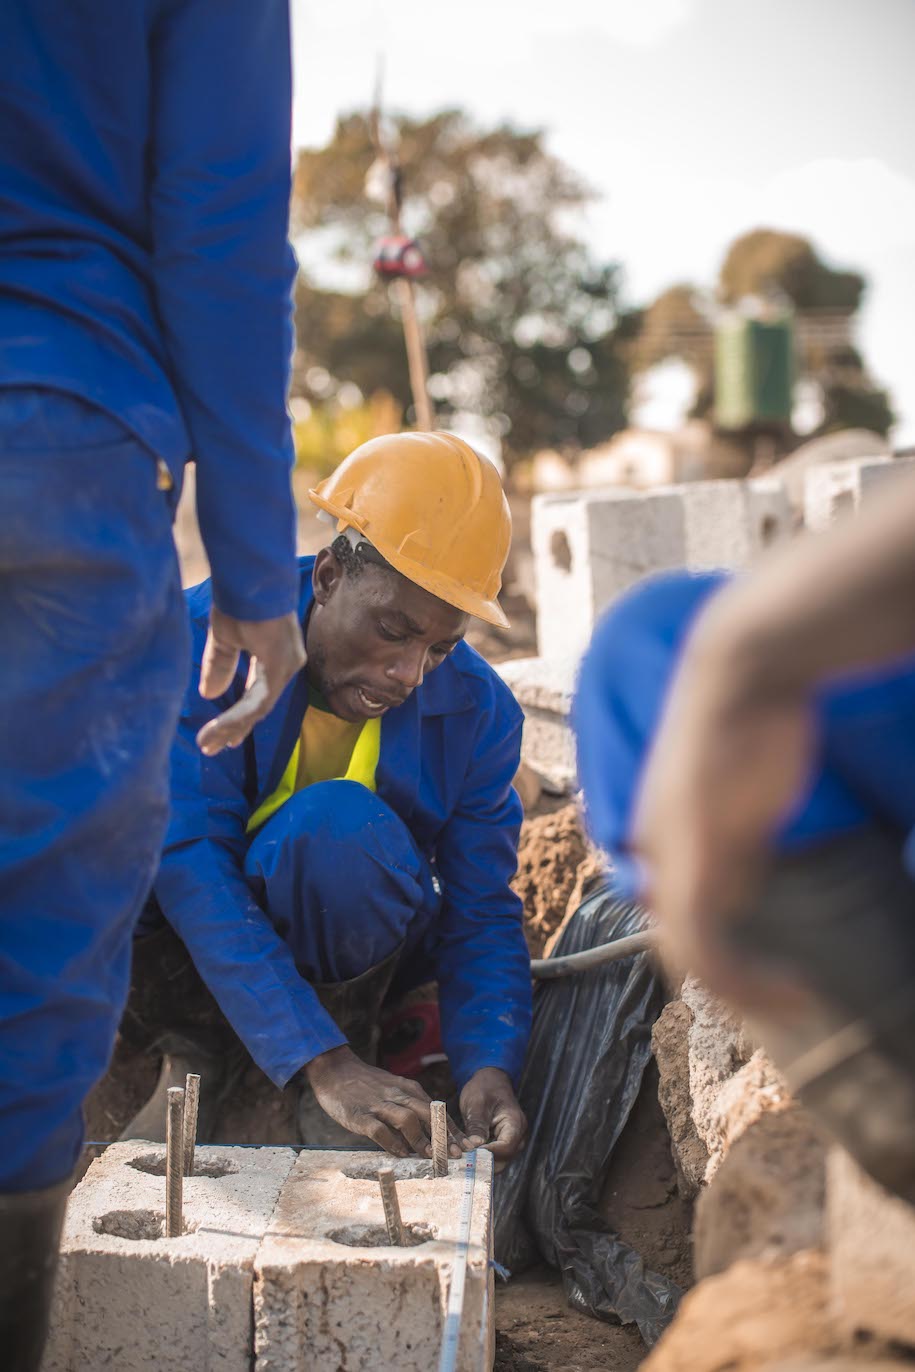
(536, 1329)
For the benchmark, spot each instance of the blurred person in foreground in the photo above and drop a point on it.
(363, 840)
(145, 319)
(747, 752)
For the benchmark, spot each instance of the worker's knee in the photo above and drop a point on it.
(341, 878)
(339, 831)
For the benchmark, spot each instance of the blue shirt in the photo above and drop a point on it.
(144, 262)
(447, 761)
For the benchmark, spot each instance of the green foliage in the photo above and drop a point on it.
(850, 398)
(522, 323)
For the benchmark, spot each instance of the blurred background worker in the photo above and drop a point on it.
(363, 840)
(145, 282)
(747, 752)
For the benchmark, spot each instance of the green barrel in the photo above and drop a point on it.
(754, 371)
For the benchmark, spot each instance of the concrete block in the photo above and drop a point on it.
(129, 1299)
(840, 488)
(591, 546)
(331, 1293)
(543, 688)
(872, 1254)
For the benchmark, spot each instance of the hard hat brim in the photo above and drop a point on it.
(442, 587)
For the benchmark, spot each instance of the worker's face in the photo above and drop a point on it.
(372, 637)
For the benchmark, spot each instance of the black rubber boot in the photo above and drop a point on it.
(30, 1225)
(170, 1013)
(355, 1007)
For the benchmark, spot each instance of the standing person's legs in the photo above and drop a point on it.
(95, 643)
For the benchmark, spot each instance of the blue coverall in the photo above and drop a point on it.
(341, 876)
(865, 765)
(145, 318)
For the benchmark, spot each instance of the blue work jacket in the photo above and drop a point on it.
(446, 766)
(144, 262)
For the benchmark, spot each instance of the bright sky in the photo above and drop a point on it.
(694, 120)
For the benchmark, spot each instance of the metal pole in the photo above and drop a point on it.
(439, 1139)
(392, 1217)
(174, 1163)
(191, 1103)
(417, 360)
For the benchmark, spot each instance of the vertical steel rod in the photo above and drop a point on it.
(174, 1163)
(392, 1217)
(191, 1102)
(439, 1139)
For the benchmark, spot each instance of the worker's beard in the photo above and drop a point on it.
(332, 688)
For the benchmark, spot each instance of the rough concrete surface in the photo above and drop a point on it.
(543, 688)
(717, 1047)
(767, 1198)
(331, 1293)
(590, 546)
(756, 1312)
(129, 1299)
(670, 1044)
(872, 1250)
(840, 488)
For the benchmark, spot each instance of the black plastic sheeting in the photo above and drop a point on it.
(590, 1045)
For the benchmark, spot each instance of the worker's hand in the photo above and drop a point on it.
(393, 1112)
(492, 1117)
(728, 761)
(277, 652)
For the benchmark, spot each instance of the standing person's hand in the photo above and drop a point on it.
(492, 1117)
(277, 652)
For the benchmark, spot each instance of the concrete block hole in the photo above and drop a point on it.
(367, 1170)
(376, 1235)
(135, 1224)
(153, 1164)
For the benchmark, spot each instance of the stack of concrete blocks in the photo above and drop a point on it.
(284, 1265)
(840, 488)
(589, 547)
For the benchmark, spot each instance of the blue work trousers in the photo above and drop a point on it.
(345, 885)
(94, 636)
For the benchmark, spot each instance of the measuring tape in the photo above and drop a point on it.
(451, 1333)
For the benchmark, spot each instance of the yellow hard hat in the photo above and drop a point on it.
(434, 508)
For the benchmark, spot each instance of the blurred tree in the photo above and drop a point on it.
(522, 324)
(767, 262)
(775, 266)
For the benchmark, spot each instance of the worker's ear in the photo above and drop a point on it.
(326, 575)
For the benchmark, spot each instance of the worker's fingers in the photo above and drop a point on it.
(376, 1130)
(232, 727)
(508, 1132)
(409, 1125)
(218, 667)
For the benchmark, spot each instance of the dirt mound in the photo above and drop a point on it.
(555, 864)
(754, 1313)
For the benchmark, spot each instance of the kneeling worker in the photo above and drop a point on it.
(365, 834)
